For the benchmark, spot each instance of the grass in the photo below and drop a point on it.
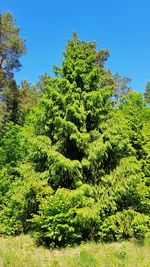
(21, 252)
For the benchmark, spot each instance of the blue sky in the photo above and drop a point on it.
(122, 26)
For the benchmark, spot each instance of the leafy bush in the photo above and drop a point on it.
(22, 199)
(67, 217)
(125, 224)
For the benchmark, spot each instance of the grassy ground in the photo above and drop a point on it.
(21, 252)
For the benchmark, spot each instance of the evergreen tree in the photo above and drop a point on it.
(71, 112)
(11, 48)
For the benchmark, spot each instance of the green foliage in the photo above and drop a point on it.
(147, 93)
(11, 47)
(14, 103)
(7, 176)
(28, 97)
(116, 137)
(67, 217)
(17, 102)
(125, 224)
(122, 87)
(77, 167)
(11, 101)
(3, 117)
(21, 200)
(138, 116)
(11, 145)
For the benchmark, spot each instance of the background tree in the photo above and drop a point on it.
(134, 108)
(122, 87)
(28, 97)
(12, 46)
(11, 100)
(147, 93)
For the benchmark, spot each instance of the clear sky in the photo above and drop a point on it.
(122, 26)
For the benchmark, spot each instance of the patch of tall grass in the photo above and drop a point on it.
(22, 252)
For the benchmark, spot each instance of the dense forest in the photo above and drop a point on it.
(74, 148)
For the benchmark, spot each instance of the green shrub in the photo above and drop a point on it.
(67, 217)
(125, 224)
(21, 201)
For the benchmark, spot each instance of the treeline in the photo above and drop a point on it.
(74, 149)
